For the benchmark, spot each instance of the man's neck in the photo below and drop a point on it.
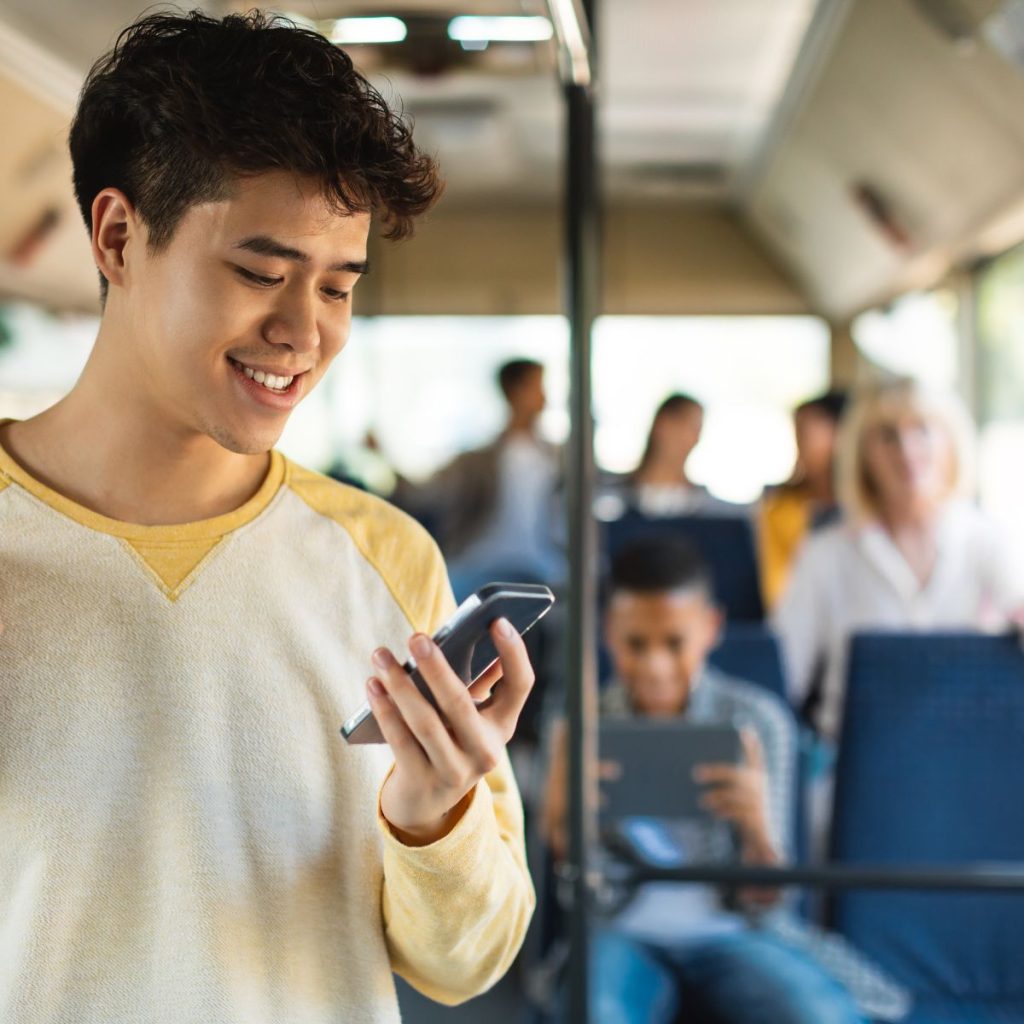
(111, 461)
(521, 426)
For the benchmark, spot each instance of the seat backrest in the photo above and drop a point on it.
(930, 769)
(750, 651)
(725, 542)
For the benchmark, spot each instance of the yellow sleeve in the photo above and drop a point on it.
(456, 911)
(781, 526)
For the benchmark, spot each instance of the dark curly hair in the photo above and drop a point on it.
(657, 564)
(184, 103)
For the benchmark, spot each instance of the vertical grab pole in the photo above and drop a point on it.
(574, 24)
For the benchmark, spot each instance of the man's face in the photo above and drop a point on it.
(528, 398)
(815, 441)
(255, 285)
(659, 643)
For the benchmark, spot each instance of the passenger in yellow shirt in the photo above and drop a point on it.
(788, 512)
(189, 617)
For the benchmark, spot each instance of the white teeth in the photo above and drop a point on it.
(268, 380)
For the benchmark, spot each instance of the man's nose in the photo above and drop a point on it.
(294, 325)
(657, 665)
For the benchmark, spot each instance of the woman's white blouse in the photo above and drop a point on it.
(853, 579)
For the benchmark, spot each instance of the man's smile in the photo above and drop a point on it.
(269, 383)
(273, 379)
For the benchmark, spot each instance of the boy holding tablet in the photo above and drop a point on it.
(189, 617)
(681, 948)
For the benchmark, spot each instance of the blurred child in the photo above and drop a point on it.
(679, 947)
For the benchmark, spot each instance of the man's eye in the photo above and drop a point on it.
(248, 275)
(334, 295)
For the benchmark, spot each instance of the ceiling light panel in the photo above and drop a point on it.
(477, 29)
(356, 31)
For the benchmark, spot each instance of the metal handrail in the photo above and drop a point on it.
(977, 877)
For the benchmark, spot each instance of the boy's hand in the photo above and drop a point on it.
(739, 793)
(437, 765)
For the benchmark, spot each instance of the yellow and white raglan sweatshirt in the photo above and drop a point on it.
(185, 838)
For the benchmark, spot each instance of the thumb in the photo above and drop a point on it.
(752, 750)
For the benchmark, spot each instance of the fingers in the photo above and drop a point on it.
(720, 774)
(417, 714)
(463, 729)
(392, 726)
(728, 805)
(455, 741)
(518, 678)
(456, 703)
(753, 752)
(480, 688)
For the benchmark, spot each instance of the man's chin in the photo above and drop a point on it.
(245, 443)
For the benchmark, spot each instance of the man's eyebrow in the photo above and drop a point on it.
(264, 245)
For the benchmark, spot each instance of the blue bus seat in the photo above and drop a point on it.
(725, 542)
(929, 772)
(750, 651)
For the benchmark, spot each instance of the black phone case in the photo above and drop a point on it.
(468, 646)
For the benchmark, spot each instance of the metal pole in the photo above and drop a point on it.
(983, 877)
(582, 299)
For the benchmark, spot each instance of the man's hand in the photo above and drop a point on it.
(437, 765)
(739, 794)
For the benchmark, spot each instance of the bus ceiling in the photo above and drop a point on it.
(763, 156)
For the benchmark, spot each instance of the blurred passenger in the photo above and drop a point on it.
(912, 553)
(659, 486)
(496, 507)
(685, 948)
(807, 499)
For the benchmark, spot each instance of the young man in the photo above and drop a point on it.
(189, 617)
(496, 505)
(681, 948)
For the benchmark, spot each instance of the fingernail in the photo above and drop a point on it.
(421, 646)
(505, 628)
(374, 687)
(381, 658)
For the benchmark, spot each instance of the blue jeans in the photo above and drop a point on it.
(748, 978)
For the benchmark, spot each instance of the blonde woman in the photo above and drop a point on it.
(913, 552)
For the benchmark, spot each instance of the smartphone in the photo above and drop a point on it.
(656, 757)
(466, 643)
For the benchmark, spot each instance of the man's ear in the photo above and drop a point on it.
(606, 625)
(115, 227)
(716, 623)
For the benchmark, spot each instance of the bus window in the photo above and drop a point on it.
(747, 371)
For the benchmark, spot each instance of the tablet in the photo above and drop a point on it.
(656, 757)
